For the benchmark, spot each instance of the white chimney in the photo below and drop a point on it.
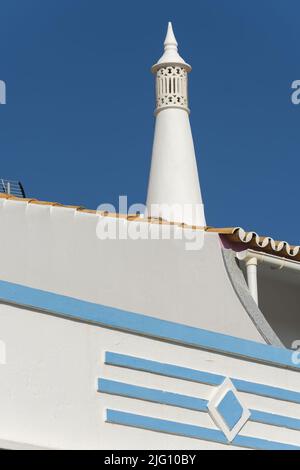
(173, 191)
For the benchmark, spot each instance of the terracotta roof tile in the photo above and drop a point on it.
(259, 243)
(233, 234)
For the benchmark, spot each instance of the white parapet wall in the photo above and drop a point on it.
(57, 249)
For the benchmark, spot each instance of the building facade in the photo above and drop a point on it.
(175, 336)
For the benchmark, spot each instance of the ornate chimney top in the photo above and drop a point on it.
(170, 55)
(174, 191)
(171, 76)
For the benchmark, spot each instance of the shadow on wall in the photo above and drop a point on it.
(279, 301)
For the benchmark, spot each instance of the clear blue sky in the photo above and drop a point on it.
(78, 124)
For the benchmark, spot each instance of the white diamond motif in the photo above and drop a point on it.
(227, 410)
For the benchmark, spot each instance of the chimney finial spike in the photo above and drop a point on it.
(170, 40)
(170, 55)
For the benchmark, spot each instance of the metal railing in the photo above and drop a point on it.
(14, 188)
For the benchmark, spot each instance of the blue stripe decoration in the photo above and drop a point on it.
(267, 390)
(150, 394)
(274, 419)
(161, 368)
(191, 431)
(165, 426)
(186, 401)
(185, 373)
(145, 325)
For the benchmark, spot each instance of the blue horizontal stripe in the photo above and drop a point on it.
(185, 373)
(151, 394)
(169, 370)
(261, 444)
(145, 325)
(266, 390)
(166, 426)
(275, 420)
(186, 401)
(191, 431)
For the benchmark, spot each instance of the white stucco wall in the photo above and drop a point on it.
(49, 398)
(56, 249)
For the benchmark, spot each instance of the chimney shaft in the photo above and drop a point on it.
(173, 191)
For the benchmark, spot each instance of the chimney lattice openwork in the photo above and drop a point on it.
(171, 87)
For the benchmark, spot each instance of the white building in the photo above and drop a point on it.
(107, 343)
